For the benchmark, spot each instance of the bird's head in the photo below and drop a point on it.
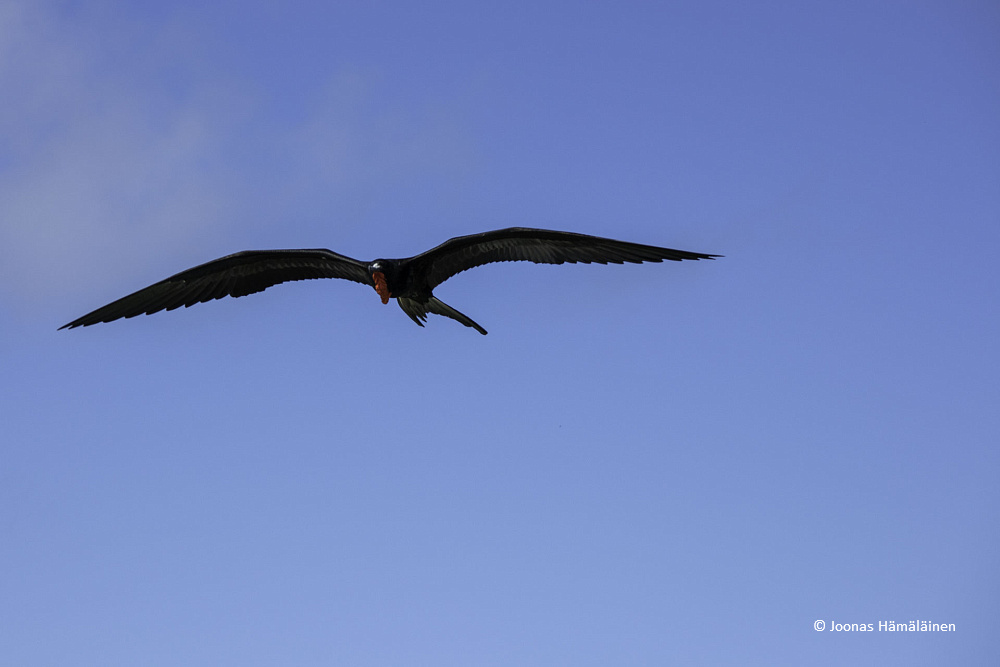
(382, 271)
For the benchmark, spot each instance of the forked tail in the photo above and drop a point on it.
(418, 312)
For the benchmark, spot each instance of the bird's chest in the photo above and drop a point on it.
(406, 283)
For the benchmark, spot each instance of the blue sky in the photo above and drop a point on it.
(659, 464)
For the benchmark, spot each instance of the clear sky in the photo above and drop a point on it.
(641, 465)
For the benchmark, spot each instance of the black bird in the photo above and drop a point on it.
(410, 281)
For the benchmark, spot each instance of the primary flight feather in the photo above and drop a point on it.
(410, 281)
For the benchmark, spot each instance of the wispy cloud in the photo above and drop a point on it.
(93, 166)
(106, 161)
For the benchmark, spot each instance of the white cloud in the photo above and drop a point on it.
(120, 147)
(90, 168)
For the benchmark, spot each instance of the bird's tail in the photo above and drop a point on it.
(418, 310)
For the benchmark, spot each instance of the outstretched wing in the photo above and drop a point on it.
(234, 275)
(541, 246)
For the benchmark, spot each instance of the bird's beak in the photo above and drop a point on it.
(381, 286)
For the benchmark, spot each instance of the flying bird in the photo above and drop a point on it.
(410, 281)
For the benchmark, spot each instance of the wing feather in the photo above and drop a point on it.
(235, 275)
(541, 246)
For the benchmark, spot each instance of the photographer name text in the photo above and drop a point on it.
(884, 626)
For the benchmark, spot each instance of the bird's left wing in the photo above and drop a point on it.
(542, 246)
(233, 275)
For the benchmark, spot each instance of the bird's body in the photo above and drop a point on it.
(411, 281)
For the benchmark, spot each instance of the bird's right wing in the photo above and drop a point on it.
(233, 275)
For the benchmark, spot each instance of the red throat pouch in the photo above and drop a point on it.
(381, 286)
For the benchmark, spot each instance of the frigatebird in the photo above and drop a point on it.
(410, 281)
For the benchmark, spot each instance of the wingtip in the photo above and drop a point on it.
(74, 324)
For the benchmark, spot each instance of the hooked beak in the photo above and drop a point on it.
(381, 286)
